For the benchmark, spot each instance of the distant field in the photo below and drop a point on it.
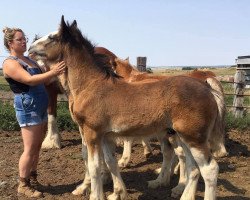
(217, 71)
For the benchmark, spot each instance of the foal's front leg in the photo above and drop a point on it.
(53, 137)
(85, 186)
(120, 192)
(93, 141)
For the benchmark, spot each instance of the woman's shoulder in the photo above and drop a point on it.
(11, 64)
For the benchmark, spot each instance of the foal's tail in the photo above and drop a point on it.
(217, 137)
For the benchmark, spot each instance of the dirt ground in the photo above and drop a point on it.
(61, 170)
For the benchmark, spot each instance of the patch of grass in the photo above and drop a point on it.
(3, 84)
(237, 123)
(64, 120)
(8, 117)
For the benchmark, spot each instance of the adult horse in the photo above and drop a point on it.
(105, 108)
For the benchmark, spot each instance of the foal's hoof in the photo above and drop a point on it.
(158, 171)
(123, 162)
(51, 143)
(82, 189)
(115, 196)
(220, 154)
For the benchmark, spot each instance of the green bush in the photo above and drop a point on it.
(64, 120)
(188, 68)
(8, 118)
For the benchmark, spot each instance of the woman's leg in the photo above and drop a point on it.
(36, 157)
(32, 140)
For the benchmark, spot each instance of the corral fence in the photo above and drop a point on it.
(240, 83)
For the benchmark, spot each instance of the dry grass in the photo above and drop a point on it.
(217, 71)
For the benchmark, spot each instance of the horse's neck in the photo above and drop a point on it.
(77, 79)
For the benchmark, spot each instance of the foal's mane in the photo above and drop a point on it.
(70, 33)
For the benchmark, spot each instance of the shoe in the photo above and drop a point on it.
(25, 188)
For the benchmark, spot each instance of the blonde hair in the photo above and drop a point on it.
(9, 34)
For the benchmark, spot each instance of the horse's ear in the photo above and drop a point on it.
(62, 21)
(64, 30)
(74, 24)
(127, 59)
(63, 25)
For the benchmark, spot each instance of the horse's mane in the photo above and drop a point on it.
(71, 33)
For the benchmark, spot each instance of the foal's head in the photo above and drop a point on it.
(69, 44)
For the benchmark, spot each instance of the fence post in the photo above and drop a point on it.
(239, 79)
(141, 63)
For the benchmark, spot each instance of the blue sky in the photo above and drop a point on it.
(168, 32)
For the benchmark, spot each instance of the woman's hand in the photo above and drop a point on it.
(58, 68)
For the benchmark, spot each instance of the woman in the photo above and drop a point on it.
(30, 101)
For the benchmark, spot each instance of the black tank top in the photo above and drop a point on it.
(16, 86)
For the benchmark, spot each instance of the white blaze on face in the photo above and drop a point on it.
(37, 46)
(45, 38)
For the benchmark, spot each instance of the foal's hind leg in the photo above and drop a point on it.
(147, 150)
(126, 155)
(120, 192)
(177, 191)
(163, 178)
(201, 156)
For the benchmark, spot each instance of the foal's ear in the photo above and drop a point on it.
(64, 30)
(74, 24)
(62, 21)
(63, 25)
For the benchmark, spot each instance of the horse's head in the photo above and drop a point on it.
(68, 44)
(50, 47)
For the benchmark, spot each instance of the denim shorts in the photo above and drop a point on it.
(31, 110)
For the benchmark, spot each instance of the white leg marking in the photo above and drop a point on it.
(53, 138)
(163, 178)
(209, 171)
(120, 192)
(193, 175)
(177, 191)
(85, 186)
(126, 155)
(94, 166)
